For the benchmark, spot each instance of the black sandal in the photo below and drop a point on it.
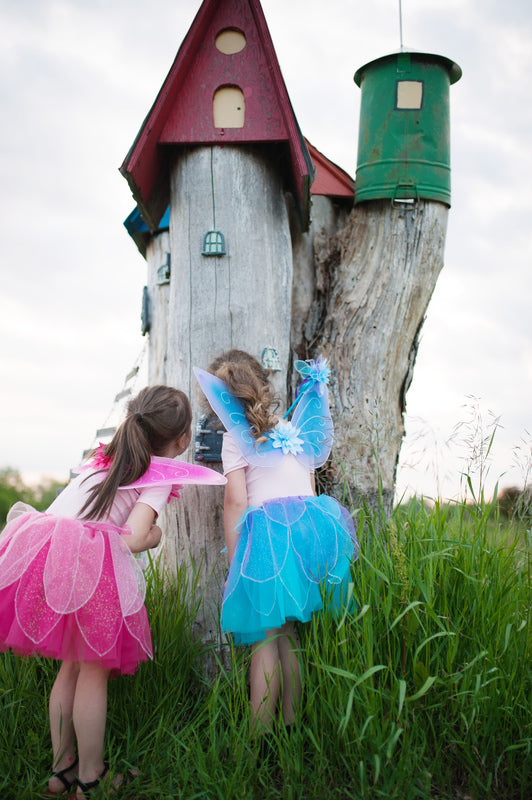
(90, 785)
(61, 773)
(126, 780)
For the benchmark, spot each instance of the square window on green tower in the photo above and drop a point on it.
(409, 95)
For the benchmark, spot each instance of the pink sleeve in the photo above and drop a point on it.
(232, 458)
(155, 497)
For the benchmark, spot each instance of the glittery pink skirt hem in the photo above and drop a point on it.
(72, 590)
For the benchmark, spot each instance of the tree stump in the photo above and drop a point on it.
(374, 280)
(241, 299)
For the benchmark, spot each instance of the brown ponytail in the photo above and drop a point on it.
(249, 381)
(155, 417)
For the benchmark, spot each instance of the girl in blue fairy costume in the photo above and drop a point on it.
(284, 543)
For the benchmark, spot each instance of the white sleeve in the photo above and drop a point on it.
(232, 458)
(155, 497)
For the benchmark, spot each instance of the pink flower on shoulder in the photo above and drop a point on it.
(174, 492)
(99, 460)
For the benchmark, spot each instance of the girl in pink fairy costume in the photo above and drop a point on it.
(284, 543)
(70, 587)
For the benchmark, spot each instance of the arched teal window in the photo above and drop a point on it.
(164, 271)
(270, 359)
(213, 244)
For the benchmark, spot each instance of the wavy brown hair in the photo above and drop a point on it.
(155, 418)
(250, 382)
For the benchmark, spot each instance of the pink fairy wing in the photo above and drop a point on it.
(167, 471)
(170, 471)
(73, 567)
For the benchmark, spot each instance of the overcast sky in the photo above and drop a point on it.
(77, 79)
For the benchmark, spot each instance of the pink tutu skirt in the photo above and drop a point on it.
(72, 590)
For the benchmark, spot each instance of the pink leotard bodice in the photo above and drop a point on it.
(288, 479)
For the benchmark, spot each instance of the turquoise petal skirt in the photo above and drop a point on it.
(288, 550)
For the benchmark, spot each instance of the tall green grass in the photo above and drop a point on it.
(423, 691)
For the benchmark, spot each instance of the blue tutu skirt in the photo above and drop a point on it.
(288, 550)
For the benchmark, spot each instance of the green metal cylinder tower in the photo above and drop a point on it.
(404, 130)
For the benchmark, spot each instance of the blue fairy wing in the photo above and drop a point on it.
(230, 412)
(312, 418)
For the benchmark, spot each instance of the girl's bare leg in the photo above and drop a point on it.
(265, 682)
(89, 715)
(60, 708)
(291, 671)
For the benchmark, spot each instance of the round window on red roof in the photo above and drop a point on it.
(230, 41)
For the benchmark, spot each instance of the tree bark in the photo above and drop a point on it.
(213, 303)
(374, 280)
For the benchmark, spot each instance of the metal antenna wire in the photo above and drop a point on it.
(401, 25)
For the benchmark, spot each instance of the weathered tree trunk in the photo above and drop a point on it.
(158, 297)
(357, 295)
(237, 191)
(374, 281)
(327, 217)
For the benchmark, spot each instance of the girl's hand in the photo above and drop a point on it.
(139, 544)
(154, 536)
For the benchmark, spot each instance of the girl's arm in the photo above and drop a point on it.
(235, 503)
(145, 533)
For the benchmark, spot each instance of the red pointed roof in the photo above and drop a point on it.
(330, 179)
(183, 111)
